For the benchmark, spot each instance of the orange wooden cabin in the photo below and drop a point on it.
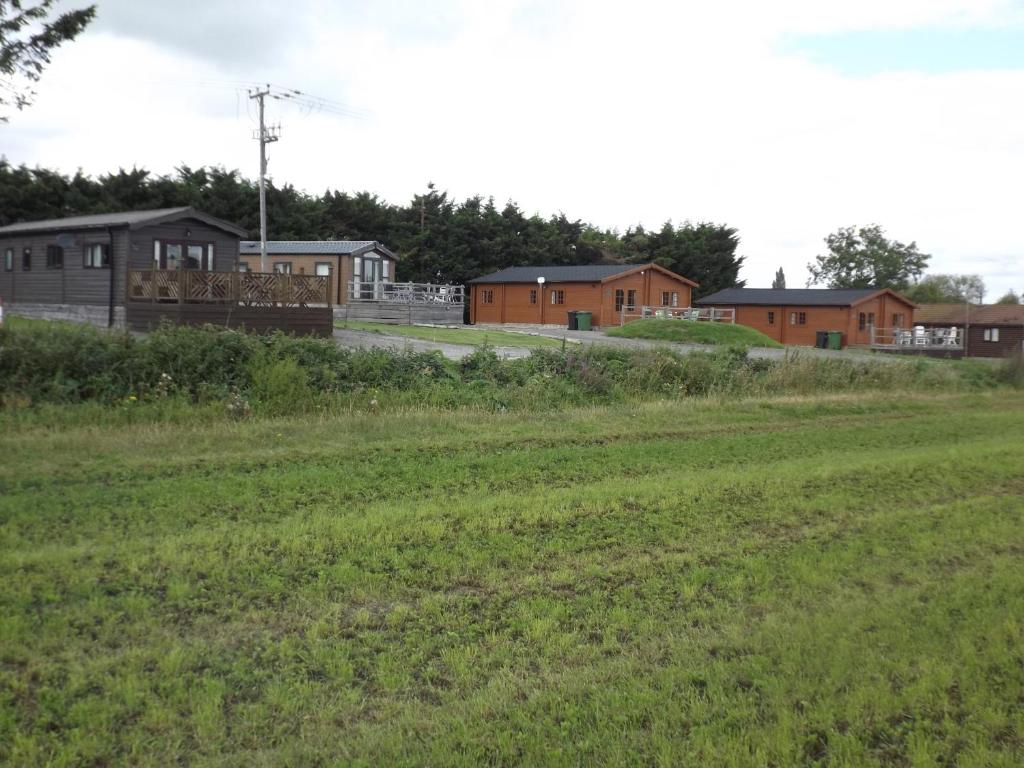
(795, 315)
(609, 291)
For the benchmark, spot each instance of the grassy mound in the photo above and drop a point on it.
(692, 332)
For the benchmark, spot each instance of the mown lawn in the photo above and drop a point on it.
(828, 580)
(468, 335)
(693, 332)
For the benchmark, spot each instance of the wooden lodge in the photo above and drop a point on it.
(137, 268)
(986, 330)
(613, 293)
(864, 316)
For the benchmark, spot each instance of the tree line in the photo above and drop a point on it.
(437, 238)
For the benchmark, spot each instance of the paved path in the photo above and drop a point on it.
(347, 337)
(766, 353)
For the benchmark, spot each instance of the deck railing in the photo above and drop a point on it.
(406, 293)
(250, 289)
(917, 337)
(697, 314)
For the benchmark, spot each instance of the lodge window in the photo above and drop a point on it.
(243, 267)
(771, 318)
(558, 297)
(533, 295)
(871, 319)
(26, 259)
(897, 320)
(54, 257)
(487, 296)
(631, 300)
(798, 318)
(991, 334)
(669, 299)
(182, 254)
(620, 297)
(323, 269)
(9, 260)
(862, 321)
(283, 267)
(96, 256)
(385, 270)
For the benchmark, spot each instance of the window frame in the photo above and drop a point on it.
(287, 268)
(801, 318)
(486, 295)
(862, 321)
(533, 297)
(26, 259)
(620, 299)
(54, 256)
(631, 299)
(9, 259)
(318, 264)
(160, 254)
(771, 317)
(87, 252)
(557, 296)
(990, 335)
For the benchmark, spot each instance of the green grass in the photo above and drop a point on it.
(807, 580)
(693, 332)
(470, 336)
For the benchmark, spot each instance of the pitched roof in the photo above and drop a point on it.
(305, 247)
(807, 297)
(130, 219)
(587, 273)
(980, 314)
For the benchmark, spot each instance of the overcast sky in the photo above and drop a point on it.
(784, 119)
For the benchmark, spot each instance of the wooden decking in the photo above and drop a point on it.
(404, 303)
(255, 301)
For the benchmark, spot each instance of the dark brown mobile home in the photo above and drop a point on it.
(138, 268)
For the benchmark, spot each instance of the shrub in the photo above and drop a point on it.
(227, 370)
(279, 386)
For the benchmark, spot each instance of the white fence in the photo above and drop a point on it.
(695, 314)
(406, 293)
(918, 336)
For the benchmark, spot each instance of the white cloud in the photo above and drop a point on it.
(615, 113)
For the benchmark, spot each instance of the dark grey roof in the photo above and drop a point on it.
(131, 219)
(302, 247)
(591, 273)
(808, 297)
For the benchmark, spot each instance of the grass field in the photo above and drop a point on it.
(692, 332)
(468, 335)
(823, 580)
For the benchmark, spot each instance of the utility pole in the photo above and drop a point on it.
(265, 136)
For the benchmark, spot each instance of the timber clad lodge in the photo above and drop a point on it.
(137, 269)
